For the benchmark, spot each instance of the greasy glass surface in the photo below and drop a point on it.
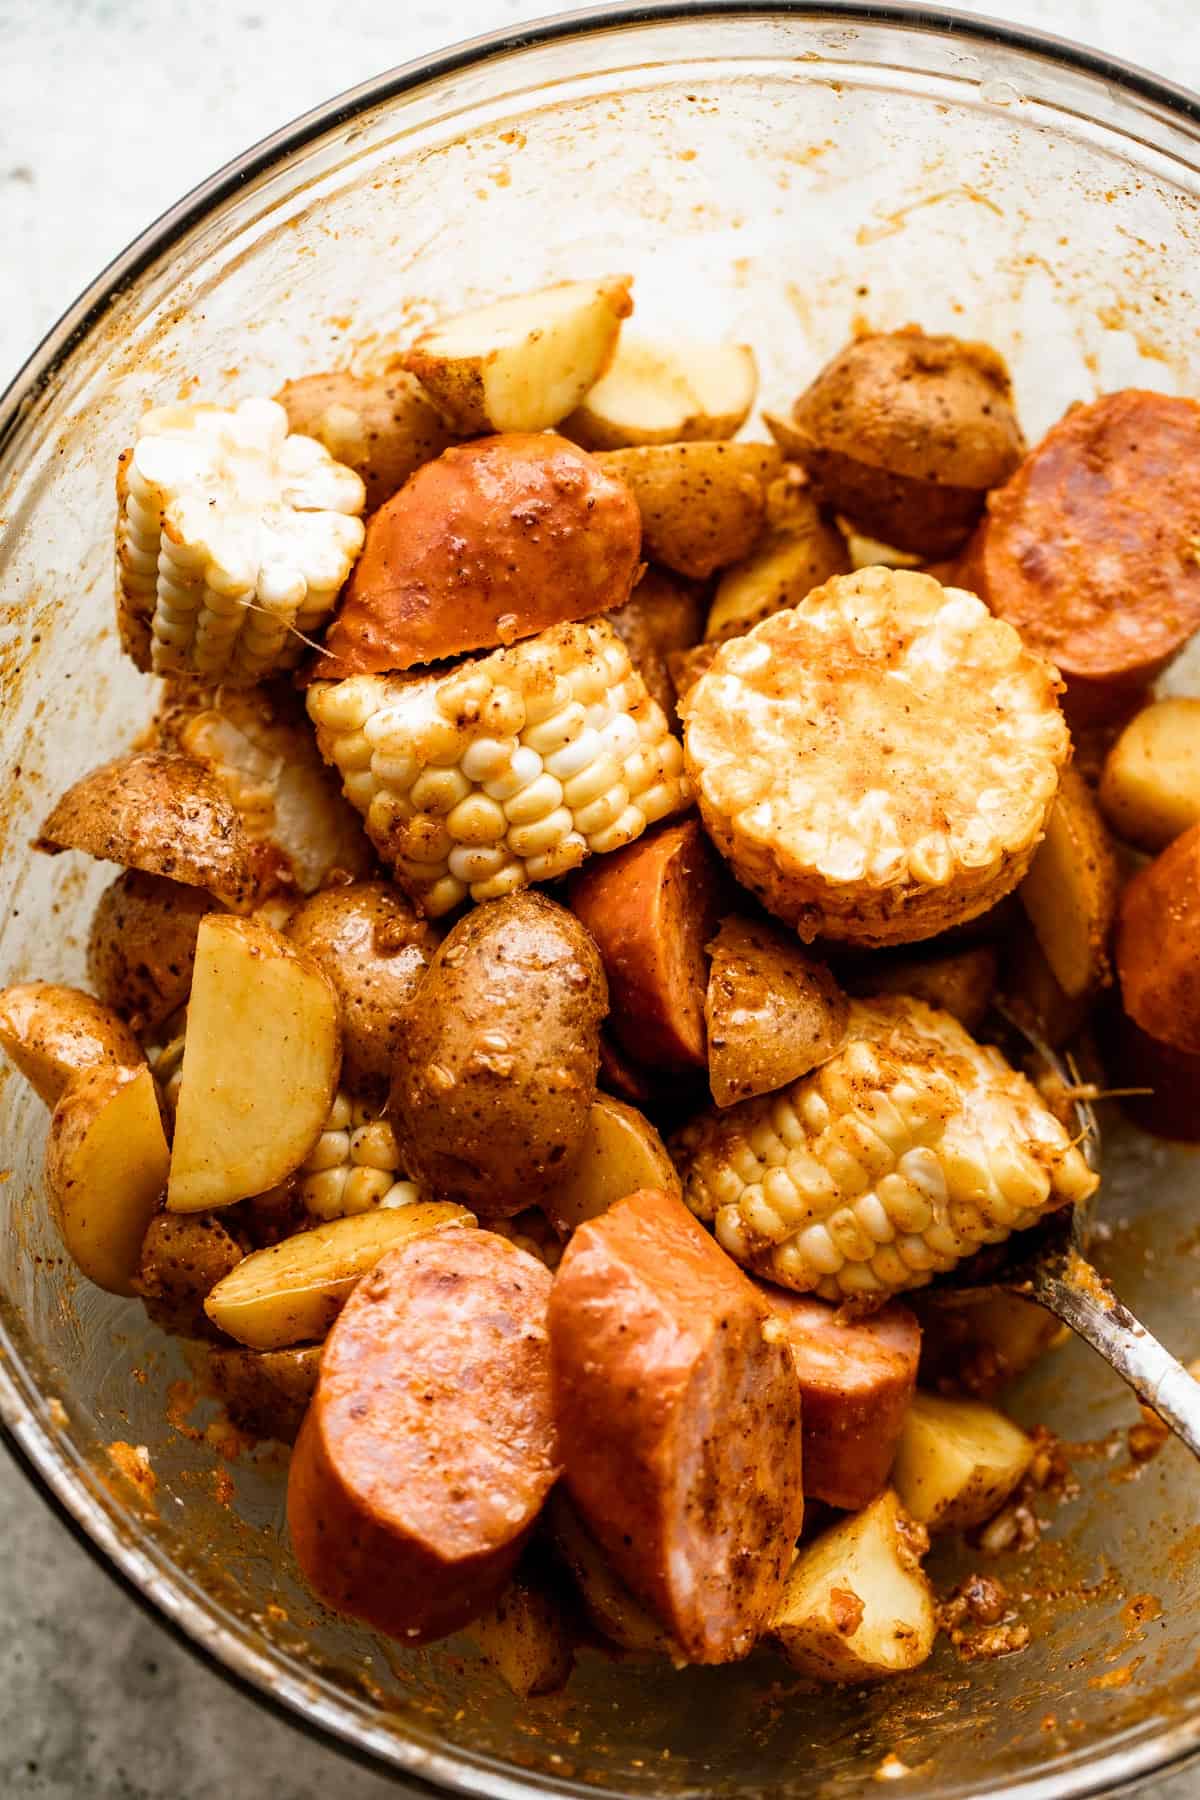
(775, 178)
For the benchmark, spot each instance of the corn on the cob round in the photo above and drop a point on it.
(902, 1155)
(510, 768)
(878, 762)
(232, 537)
(354, 1165)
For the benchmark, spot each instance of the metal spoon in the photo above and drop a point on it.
(1048, 1264)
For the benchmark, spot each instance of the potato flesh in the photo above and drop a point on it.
(260, 1065)
(659, 392)
(291, 1292)
(621, 1152)
(53, 1033)
(1150, 789)
(958, 1462)
(1070, 891)
(857, 1605)
(106, 1167)
(524, 363)
(525, 1637)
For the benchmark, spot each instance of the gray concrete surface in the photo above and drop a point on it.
(109, 110)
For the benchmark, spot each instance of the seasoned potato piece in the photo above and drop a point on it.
(165, 815)
(958, 1462)
(52, 1033)
(904, 434)
(687, 666)
(142, 946)
(525, 1635)
(523, 363)
(260, 1065)
(265, 1391)
(1150, 789)
(106, 1167)
(291, 1292)
(182, 1259)
(981, 1346)
(662, 616)
(773, 1012)
(651, 909)
(797, 552)
(702, 505)
(1158, 945)
(857, 1605)
(381, 426)
(660, 391)
(960, 982)
(621, 1153)
(374, 949)
(1031, 991)
(1070, 890)
(258, 746)
(493, 542)
(496, 1058)
(610, 1606)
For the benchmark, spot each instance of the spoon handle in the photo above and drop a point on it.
(1080, 1297)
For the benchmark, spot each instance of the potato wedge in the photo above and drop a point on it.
(1150, 789)
(370, 942)
(292, 1292)
(980, 1347)
(258, 746)
(666, 391)
(621, 1153)
(773, 1011)
(857, 1605)
(523, 363)
(610, 1606)
(526, 1636)
(106, 1167)
(1031, 992)
(142, 945)
(960, 982)
(260, 1065)
(796, 553)
(958, 1462)
(381, 426)
(1070, 892)
(52, 1033)
(183, 1257)
(265, 1391)
(702, 505)
(163, 814)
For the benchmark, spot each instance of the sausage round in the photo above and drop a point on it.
(429, 1445)
(679, 1422)
(857, 1378)
(1090, 549)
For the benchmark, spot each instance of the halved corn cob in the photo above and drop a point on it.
(903, 1154)
(354, 1165)
(508, 769)
(232, 537)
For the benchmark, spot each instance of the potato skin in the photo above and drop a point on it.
(497, 1054)
(702, 505)
(663, 615)
(142, 946)
(492, 542)
(51, 1033)
(1150, 787)
(375, 950)
(1158, 945)
(265, 1391)
(381, 426)
(183, 1258)
(165, 815)
(904, 434)
(1084, 550)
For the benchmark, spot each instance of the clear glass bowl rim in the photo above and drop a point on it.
(22, 1433)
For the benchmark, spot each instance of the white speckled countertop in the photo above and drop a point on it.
(109, 110)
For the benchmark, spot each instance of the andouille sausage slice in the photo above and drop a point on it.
(651, 909)
(857, 1378)
(429, 1445)
(679, 1422)
(1090, 548)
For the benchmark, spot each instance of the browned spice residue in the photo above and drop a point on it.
(1117, 1678)
(133, 1462)
(980, 1622)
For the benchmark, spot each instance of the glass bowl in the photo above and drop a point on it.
(778, 173)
